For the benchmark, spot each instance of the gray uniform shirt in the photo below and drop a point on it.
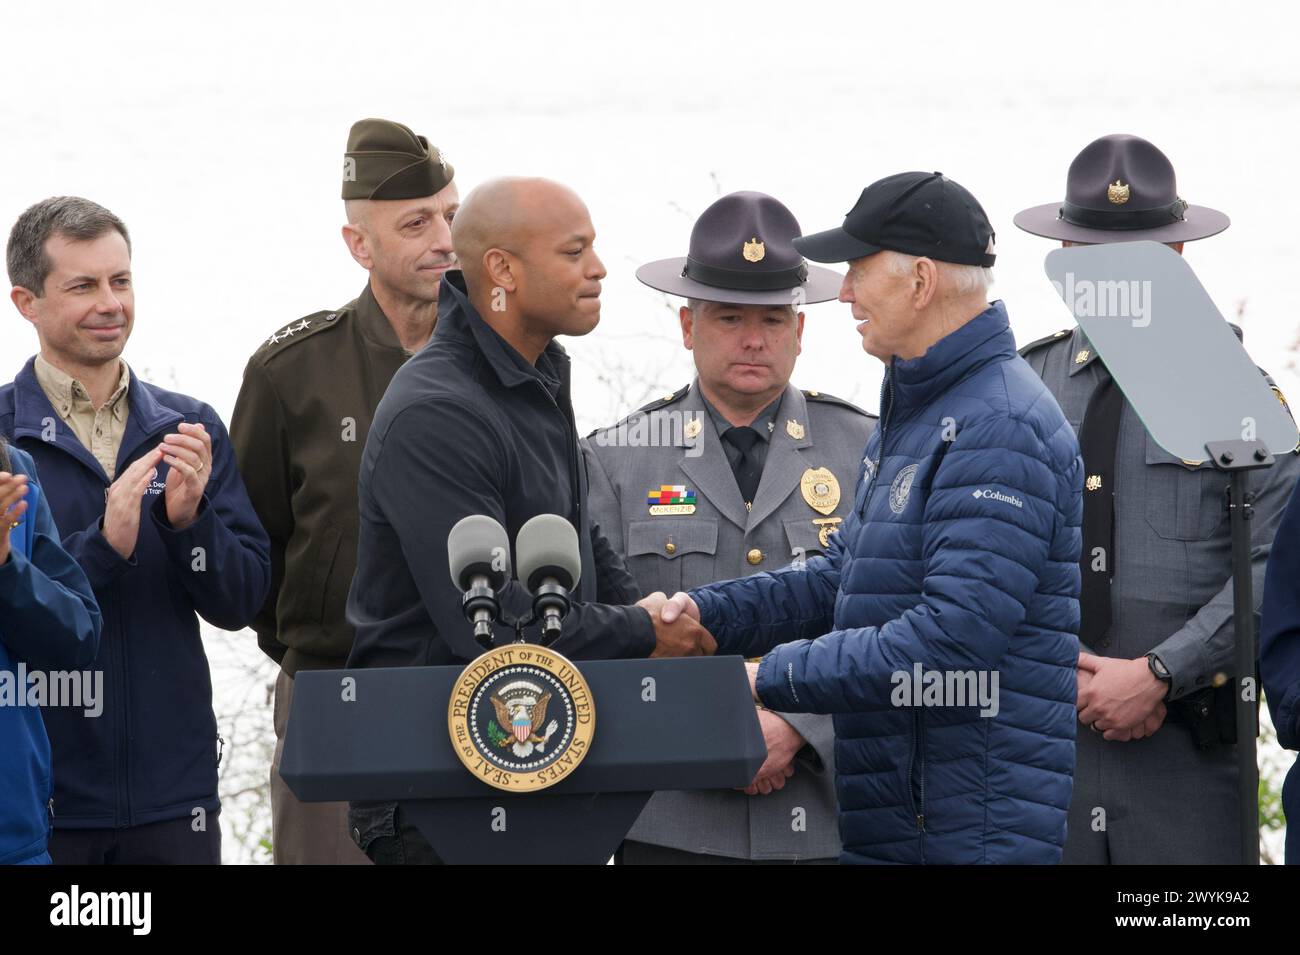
(1171, 591)
(722, 540)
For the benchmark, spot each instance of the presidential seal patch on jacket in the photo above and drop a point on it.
(521, 717)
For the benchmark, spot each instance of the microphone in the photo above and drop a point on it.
(478, 550)
(549, 566)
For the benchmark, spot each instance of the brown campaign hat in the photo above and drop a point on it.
(1120, 189)
(742, 253)
(385, 160)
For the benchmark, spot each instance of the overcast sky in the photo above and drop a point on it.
(217, 133)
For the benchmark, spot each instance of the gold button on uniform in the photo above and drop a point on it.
(755, 556)
(670, 548)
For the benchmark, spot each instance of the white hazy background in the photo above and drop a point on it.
(217, 134)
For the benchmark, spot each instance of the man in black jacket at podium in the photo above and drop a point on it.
(481, 422)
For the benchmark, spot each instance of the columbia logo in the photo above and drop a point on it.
(990, 495)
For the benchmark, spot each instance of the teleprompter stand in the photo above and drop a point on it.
(1238, 458)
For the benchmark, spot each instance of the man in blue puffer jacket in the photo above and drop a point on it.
(941, 627)
(49, 621)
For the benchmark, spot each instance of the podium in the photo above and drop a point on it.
(379, 735)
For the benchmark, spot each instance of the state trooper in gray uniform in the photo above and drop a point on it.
(739, 472)
(1156, 777)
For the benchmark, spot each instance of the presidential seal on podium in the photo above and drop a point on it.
(521, 717)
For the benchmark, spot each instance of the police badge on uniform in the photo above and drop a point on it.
(521, 717)
(820, 489)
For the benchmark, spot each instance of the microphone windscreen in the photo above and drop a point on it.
(478, 544)
(547, 546)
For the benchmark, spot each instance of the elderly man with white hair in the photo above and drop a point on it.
(940, 628)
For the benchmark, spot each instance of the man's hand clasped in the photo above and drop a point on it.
(1120, 699)
(678, 632)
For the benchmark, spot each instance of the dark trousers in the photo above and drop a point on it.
(170, 842)
(385, 835)
(642, 853)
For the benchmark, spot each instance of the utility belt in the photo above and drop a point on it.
(1210, 714)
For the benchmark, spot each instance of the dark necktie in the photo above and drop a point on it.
(1098, 437)
(745, 466)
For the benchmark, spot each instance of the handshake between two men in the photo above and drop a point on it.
(679, 633)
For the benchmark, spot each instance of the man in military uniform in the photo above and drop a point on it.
(754, 474)
(300, 424)
(1156, 778)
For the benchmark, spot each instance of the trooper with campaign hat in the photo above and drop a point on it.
(735, 473)
(1156, 779)
(308, 398)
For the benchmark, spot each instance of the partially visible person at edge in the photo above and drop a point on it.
(51, 623)
(1156, 774)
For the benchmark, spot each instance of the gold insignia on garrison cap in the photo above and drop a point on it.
(754, 250)
(1117, 192)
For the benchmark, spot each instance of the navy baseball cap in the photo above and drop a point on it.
(916, 213)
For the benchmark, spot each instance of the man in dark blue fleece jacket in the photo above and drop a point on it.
(142, 482)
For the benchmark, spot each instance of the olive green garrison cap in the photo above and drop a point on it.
(385, 160)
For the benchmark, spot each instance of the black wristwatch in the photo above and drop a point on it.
(1159, 669)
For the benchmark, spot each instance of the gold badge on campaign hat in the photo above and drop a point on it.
(794, 429)
(754, 250)
(1117, 192)
(820, 489)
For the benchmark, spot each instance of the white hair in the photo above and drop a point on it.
(966, 279)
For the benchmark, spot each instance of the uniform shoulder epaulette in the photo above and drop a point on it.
(832, 400)
(298, 330)
(1045, 340)
(655, 405)
(1277, 393)
(666, 400)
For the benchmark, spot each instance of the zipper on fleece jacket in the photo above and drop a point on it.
(886, 409)
(120, 753)
(916, 768)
